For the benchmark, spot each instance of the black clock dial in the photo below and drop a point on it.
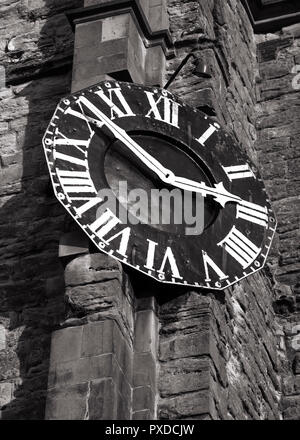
(121, 165)
(116, 135)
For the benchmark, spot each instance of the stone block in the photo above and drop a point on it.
(296, 364)
(144, 370)
(103, 297)
(184, 346)
(123, 409)
(186, 405)
(146, 332)
(122, 382)
(291, 407)
(143, 398)
(91, 268)
(155, 66)
(66, 345)
(97, 338)
(268, 50)
(123, 352)
(184, 376)
(120, 49)
(87, 34)
(67, 403)
(102, 400)
(294, 30)
(145, 414)
(81, 370)
(73, 243)
(6, 391)
(2, 337)
(158, 15)
(115, 27)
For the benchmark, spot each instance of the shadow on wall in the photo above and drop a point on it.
(31, 220)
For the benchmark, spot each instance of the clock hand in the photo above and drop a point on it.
(163, 173)
(220, 194)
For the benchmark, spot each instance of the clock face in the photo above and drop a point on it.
(158, 185)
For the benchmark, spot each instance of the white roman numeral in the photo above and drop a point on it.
(208, 262)
(106, 223)
(240, 247)
(77, 143)
(208, 133)
(168, 258)
(125, 235)
(253, 213)
(71, 159)
(239, 172)
(76, 186)
(76, 181)
(115, 110)
(170, 109)
(70, 111)
(76, 114)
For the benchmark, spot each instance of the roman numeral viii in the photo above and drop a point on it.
(163, 109)
(104, 224)
(240, 247)
(78, 187)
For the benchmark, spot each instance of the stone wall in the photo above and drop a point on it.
(221, 356)
(231, 359)
(36, 50)
(278, 129)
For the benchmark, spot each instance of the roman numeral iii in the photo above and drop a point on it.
(240, 247)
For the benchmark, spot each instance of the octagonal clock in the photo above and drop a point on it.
(111, 147)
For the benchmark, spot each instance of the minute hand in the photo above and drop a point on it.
(163, 173)
(220, 194)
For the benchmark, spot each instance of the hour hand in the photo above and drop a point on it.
(218, 192)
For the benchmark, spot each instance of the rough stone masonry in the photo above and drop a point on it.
(231, 356)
